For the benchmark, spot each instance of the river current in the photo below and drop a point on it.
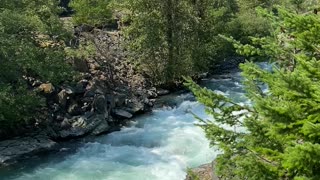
(156, 146)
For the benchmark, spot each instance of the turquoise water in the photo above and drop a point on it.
(156, 146)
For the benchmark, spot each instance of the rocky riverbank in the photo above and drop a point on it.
(107, 114)
(108, 91)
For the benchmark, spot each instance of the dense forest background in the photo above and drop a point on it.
(166, 40)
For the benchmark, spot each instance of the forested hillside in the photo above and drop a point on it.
(162, 41)
(82, 67)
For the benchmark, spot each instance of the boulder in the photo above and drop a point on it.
(80, 88)
(110, 102)
(65, 124)
(152, 93)
(69, 90)
(77, 89)
(119, 99)
(47, 88)
(103, 127)
(100, 104)
(134, 106)
(89, 93)
(149, 102)
(140, 92)
(15, 149)
(62, 98)
(83, 125)
(71, 133)
(74, 109)
(120, 113)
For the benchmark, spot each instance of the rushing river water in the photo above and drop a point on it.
(157, 146)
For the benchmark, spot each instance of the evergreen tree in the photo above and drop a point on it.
(281, 139)
(214, 17)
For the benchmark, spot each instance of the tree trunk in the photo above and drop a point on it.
(170, 21)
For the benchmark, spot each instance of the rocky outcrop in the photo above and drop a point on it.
(22, 147)
(82, 125)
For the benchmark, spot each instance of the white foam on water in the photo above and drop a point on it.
(160, 146)
(157, 147)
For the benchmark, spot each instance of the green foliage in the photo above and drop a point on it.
(91, 12)
(169, 39)
(214, 17)
(281, 139)
(31, 45)
(159, 41)
(192, 175)
(17, 106)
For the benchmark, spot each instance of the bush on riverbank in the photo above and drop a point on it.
(30, 47)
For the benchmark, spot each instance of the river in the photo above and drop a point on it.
(156, 146)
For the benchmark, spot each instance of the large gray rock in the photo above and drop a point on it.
(152, 93)
(120, 113)
(103, 127)
(119, 99)
(18, 148)
(134, 106)
(84, 125)
(100, 104)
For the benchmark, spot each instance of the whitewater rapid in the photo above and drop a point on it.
(156, 146)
